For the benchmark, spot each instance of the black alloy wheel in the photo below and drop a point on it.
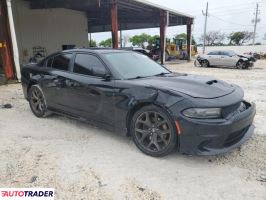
(153, 131)
(37, 101)
(241, 64)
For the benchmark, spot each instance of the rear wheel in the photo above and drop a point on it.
(153, 131)
(37, 101)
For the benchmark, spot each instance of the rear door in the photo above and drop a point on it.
(90, 94)
(54, 82)
(214, 58)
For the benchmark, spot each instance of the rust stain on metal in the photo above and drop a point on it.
(114, 24)
(5, 50)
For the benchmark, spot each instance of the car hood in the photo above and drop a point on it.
(244, 56)
(195, 86)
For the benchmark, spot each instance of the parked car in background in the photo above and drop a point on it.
(129, 94)
(225, 58)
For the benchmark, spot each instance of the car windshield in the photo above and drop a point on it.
(132, 65)
(231, 53)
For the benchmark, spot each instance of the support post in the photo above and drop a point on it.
(14, 39)
(163, 24)
(114, 24)
(90, 40)
(5, 43)
(121, 38)
(189, 38)
(255, 24)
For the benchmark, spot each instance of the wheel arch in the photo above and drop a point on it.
(132, 111)
(30, 84)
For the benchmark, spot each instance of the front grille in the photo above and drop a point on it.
(235, 137)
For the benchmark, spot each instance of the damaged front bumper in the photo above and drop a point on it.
(211, 137)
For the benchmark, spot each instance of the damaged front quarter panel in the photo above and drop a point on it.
(130, 99)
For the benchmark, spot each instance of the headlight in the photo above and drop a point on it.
(203, 113)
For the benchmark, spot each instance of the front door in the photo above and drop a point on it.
(229, 60)
(89, 94)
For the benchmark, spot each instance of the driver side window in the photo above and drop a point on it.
(87, 64)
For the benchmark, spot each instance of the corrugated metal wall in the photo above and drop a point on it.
(48, 28)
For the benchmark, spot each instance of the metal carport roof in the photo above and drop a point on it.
(132, 14)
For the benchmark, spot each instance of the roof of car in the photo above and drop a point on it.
(96, 50)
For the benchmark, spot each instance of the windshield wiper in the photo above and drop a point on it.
(162, 74)
(137, 77)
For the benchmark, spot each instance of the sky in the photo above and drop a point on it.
(224, 15)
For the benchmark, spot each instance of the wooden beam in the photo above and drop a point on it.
(163, 22)
(189, 25)
(114, 24)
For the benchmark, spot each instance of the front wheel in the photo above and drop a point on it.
(241, 64)
(153, 131)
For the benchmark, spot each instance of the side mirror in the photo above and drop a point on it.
(107, 77)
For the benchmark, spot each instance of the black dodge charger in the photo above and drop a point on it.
(128, 93)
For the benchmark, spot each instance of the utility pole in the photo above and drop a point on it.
(255, 23)
(205, 26)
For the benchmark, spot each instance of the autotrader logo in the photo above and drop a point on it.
(26, 193)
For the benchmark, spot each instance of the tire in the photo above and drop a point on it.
(37, 102)
(241, 65)
(154, 137)
(205, 63)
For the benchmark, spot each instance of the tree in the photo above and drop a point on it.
(240, 37)
(183, 36)
(92, 43)
(213, 37)
(106, 43)
(139, 40)
(153, 39)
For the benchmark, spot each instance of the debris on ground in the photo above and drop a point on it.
(262, 178)
(6, 106)
(33, 179)
(133, 190)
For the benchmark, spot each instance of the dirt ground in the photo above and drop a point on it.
(84, 162)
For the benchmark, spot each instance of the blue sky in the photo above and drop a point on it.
(225, 15)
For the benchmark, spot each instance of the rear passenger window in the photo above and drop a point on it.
(88, 65)
(62, 61)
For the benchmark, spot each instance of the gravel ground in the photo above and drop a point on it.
(84, 162)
